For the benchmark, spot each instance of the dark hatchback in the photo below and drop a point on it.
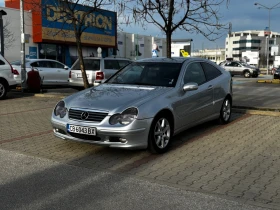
(277, 74)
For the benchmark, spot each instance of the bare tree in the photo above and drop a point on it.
(69, 14)
(193, 16)
(8, 35)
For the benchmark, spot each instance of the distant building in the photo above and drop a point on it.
(252, 41)
(215, 55)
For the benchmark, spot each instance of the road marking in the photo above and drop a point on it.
(25, 137)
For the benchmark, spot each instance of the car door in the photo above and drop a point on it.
(213, 80)
(61, 72)
(47, 73)
(235, 68)
(191, 105)
(229, 67)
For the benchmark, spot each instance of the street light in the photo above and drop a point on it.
(269, 9)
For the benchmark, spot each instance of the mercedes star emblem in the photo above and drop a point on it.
(84, 115)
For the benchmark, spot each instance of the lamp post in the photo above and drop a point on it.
(269, 9)
(22, 52)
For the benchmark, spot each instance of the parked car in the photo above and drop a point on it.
(97, 70)
(52, 72)
(276, 74)
(240, 68)
(7, 81)
(146, 103)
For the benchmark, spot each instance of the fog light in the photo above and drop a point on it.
(122, 140)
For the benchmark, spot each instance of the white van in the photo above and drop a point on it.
(97, 70)
(7, 80)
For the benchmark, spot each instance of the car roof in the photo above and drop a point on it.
(171, 60)
(39, 59)
(106, 58)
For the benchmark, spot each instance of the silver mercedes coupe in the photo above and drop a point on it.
(146, 103)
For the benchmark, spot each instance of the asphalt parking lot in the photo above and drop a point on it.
(240, 160)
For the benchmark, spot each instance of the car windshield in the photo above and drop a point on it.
(153, 74)
(90, 64)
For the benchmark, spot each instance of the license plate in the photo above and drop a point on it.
(81, 130)
(80, 75)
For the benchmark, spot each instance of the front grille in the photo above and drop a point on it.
(85, 137)
(76, 114)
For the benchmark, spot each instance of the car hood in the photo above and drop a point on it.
(113, 97)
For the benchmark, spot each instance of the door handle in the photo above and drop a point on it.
(210, 87)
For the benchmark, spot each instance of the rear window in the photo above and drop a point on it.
(90, 64)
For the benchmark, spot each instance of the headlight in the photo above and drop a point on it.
(125, 118)
(60, 109)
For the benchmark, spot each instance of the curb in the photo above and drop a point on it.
(49, 95)
(274, 81)
(256, 111)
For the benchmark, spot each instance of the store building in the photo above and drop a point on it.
(44, 39)
(216, 55)
(48, 36)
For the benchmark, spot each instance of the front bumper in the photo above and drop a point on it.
(256, 72)
(133, 136)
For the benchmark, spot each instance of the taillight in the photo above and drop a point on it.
(14, 71)
(99, 75)
(69, 74)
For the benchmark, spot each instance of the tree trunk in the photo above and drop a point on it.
(82, 64)
(168, 44)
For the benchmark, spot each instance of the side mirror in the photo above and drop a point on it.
(66, 67)
(190, 86)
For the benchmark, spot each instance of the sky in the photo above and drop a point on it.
(243, 15)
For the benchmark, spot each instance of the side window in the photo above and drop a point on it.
(57, 65)
(35, 64)
(45, 64)
(234, 64)
(2, 62)
(194, 73)
(111, 64)
(210, 71)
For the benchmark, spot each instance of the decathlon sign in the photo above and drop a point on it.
(99, 27)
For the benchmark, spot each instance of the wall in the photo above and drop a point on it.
(13, 16)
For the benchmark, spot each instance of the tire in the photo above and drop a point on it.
(160, 135)
(3, 90)
(247, 74)
(225, 112)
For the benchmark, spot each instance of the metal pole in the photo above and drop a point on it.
(267, 61)
(2, 13)
(2, 34)
(23, 70)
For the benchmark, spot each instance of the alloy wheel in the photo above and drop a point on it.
(2, 90)
(162, 133)
(226, 110)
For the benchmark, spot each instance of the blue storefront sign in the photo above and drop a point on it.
(33, 52)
